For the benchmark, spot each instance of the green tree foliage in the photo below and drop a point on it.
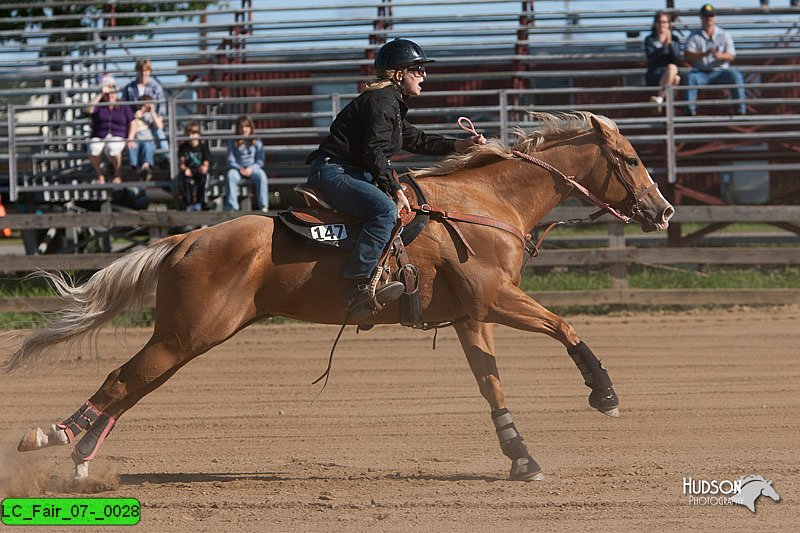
(66, 22)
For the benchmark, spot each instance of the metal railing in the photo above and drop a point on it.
(551, 35)
(497, 114)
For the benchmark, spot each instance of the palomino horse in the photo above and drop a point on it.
(213, 282)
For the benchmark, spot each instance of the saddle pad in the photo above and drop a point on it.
(331, 228)
(324, 226)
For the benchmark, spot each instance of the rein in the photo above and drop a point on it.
(533, 248)
(447, 216)
(604, 207)
(466, 125)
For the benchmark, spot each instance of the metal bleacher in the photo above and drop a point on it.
(292, 67)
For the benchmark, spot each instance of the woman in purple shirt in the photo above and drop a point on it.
(109, 128)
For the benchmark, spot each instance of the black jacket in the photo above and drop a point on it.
(373, 127)
(659, 55)
(193, 156)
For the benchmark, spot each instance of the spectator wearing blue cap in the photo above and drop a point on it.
(710, 50)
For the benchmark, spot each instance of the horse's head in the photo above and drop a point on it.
(628, 186)
(768, 491)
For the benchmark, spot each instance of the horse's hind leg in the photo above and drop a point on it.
(172, 345)
(184, 329)
(520, 311)
(124, 386)
(477, 340)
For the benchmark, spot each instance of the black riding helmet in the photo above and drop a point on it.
(400, 54)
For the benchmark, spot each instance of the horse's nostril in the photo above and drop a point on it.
(667, 214)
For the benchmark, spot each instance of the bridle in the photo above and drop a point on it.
(531, 248)
(635, 204)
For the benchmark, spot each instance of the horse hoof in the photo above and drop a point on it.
(613, 413)
(525, 469)
(530, 477)
(34, 439)
(605, 401)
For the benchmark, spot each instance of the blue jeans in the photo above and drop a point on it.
(162, 142)
(351, 191)
(142, 153)
(727, 76)
(232, 179)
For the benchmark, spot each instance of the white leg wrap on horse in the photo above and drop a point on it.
(81, 469)
(36, 439)
(57, 435)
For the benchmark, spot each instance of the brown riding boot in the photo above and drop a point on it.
(361, 306)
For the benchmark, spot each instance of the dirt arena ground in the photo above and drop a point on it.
(402, 441)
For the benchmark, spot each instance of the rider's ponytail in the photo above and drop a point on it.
(385, 79)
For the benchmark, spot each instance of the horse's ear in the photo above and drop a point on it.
(601, 128)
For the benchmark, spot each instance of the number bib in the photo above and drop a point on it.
(329, 232)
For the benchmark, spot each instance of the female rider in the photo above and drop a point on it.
(352, 166)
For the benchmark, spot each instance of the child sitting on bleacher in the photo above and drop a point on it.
(142, 135)
(246, 160)
(195, 160)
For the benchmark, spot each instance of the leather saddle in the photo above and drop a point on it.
(321, 224)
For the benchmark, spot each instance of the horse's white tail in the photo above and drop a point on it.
(123, 285)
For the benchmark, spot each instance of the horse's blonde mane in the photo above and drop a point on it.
(553, 126)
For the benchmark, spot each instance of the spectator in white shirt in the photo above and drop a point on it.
(710, 51)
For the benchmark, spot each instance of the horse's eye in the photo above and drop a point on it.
(632, 161)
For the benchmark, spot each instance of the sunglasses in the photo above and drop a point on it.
(418, 70)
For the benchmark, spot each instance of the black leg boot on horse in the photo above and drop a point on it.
(603, 398)
(477, 340)
(523, 466)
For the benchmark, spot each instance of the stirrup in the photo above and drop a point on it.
(362, 306)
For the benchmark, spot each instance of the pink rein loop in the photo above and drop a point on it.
(466, 124)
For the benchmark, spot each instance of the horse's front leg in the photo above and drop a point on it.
(478, 342)
(518, 310)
